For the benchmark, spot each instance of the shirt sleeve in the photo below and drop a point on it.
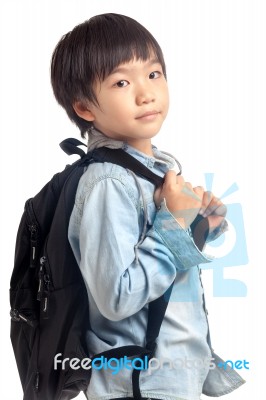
(217, 232)
(122, 274)
(181, 244)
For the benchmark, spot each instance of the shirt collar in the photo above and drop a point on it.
(160, 160)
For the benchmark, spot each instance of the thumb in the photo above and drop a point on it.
(170, 178)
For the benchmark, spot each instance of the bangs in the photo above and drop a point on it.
(123, 44)
(106, 62)
(113, 40)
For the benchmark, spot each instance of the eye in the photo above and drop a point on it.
(121, 84)
(155, 75)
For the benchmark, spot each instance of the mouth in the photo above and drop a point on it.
(148, 115)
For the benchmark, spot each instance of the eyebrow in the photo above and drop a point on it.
(126, 69)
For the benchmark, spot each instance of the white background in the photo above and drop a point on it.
(215, 55)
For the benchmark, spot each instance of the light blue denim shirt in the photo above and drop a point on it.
(129, 254)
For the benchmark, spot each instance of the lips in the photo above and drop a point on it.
(148, 114)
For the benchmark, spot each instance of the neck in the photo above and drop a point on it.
(144, 146)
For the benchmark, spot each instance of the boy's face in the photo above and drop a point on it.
(133, 103)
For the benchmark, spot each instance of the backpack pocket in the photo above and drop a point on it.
(25, 341)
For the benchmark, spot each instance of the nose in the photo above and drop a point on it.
(144, 94)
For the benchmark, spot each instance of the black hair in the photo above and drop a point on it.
(91, 51)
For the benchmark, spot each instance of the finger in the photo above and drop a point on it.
(180, 180)
(214, 221)
(220, 210)
(206, 200)
(171, 179)
(215, 207)
(213, 204)
(190, 191)
(188, 185)
(199, 190)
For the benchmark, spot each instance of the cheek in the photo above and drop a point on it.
(114, 104)
(120, 107)
(166, 99)
(167, 103)
(166, 93)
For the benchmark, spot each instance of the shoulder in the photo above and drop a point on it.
(100, 171)
(106, 175)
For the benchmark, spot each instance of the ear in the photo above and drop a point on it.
(82, 111)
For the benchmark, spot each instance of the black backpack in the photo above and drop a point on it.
(48, 298)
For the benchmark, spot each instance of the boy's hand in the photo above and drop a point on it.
(186, 202)
(182, 200)
(213, 209)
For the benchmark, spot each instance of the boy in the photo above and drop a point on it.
(131, 244)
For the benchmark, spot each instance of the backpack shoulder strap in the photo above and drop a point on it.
(70, 146)
(122, 158)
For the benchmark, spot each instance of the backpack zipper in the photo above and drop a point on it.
(44, 288)
(37, 381)
(41, 279)
(33, 227)
(33, 242)
(17, 316)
